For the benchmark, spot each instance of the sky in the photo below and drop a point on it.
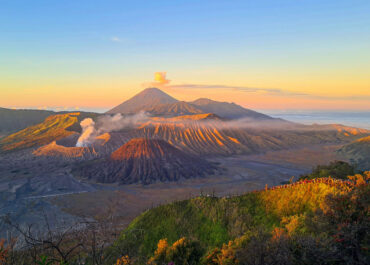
(259, 54)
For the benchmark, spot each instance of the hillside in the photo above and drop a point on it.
(53, 128)
(15, 120)
(285, 212)
(145, 161)
(54, 150)
(209, 134)
(358, 152)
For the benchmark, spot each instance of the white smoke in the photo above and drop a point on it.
(119, 122)
(104, 124)
(241, 123)
(88, 130)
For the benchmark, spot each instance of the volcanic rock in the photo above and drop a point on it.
(145, 161)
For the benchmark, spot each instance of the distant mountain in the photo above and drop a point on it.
(15, 120)
(145, 161)
(147, 99)
(227, 110)
(346, 130)
(158, 103)
(358, 152)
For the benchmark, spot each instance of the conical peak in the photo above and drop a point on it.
(143, 147)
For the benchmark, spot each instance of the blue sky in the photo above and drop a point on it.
(121, 43)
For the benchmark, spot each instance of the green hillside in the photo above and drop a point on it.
(289, 210)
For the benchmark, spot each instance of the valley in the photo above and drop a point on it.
(52, 188)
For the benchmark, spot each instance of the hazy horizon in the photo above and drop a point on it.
(355, 118)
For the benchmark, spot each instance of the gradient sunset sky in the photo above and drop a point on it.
(259, 54)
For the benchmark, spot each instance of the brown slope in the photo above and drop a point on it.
(53, 150)
(51, 129)
(173, 109)
(145, 161)
(193, 136)
(358, 152)
(202, 134)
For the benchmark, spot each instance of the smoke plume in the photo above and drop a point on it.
(88, 130)
(107, 123)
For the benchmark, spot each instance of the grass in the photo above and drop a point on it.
(214, 221)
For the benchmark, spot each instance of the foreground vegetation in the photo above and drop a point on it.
(321, 220)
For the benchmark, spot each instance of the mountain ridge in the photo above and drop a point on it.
(227, 110)
(156, 102)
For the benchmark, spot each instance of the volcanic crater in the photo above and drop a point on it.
(145, 161)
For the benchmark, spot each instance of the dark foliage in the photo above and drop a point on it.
(336, 169)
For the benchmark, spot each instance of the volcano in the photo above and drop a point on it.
(158, 103)
(145, 161)
(146, 99)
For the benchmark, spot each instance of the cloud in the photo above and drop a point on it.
(42, 108)
(160, 80)
(270, 91)
(116, 39)
(275, 91)
(160, 77)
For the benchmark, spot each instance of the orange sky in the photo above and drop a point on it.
(319, 93)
